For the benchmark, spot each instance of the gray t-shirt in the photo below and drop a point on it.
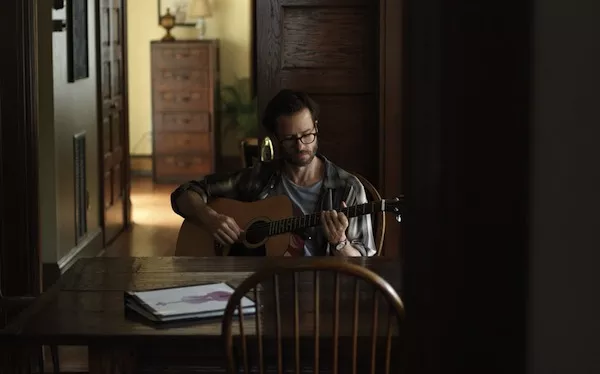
(304, 200)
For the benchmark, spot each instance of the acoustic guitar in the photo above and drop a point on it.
(269, 223)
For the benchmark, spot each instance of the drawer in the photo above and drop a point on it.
(197, 99)
(181, 56)
(184, 167)
(165, 77)
(182, 121)
(183, 142)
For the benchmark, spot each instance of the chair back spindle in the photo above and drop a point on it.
(336, 328)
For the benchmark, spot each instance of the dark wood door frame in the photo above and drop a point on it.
(253, 56)
(19, 218)
(466, 167)
(126, 153)
(391, 127)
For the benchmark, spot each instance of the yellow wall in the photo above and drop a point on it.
(230, 23)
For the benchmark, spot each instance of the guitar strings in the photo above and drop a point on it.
(265, 225)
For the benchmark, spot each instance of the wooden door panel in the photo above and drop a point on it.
(113, 129)
(106, 81)
(320, 37)
(329, 81)
(116, 79)
(104, 24)
(116, 24)
(328, 48)
(117, 181)
(107, 190)
(106, 138)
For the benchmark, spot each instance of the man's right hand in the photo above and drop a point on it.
(224, 228)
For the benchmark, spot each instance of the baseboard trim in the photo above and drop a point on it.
(90, 246)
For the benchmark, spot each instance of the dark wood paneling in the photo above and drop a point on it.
(328, 38)
(337, 120)
(328, 48)
(19, 218)
(466, 163)
(391, 106)
(253, 49)
(329, 81)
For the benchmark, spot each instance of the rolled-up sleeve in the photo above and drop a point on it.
(194, 185)
(215, 185)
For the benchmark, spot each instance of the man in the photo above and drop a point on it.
(312, 183)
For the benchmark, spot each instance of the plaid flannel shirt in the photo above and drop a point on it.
(261, 180)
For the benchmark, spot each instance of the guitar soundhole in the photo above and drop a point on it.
(257, 232)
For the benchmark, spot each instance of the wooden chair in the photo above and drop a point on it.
(378, 220)
(250, 151)
(269, 308)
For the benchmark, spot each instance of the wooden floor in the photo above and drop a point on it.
(153, 233)
(155, 225)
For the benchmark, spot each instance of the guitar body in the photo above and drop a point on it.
(196, 241)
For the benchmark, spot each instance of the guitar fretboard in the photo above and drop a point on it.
(301, 222)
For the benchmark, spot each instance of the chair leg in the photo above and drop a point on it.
(41, 360)
(55, 360)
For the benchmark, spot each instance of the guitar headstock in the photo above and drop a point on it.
(393, 206)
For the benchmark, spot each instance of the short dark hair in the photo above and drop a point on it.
(286, 103)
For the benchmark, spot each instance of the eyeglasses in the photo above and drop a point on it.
(304, 139)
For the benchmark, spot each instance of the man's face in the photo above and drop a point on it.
(293, 132)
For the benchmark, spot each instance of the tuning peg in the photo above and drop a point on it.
(399, 218)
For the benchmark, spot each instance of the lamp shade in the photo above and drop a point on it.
(198, 8)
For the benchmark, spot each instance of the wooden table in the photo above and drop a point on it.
(86, 305)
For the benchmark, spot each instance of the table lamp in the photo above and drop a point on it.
(200, 10)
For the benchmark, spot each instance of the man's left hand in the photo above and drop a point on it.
(334, 225)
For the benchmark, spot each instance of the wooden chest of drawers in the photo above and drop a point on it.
(185, 89)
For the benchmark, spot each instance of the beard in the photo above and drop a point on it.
(299, 158)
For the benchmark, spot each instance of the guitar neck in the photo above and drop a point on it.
(301, 222)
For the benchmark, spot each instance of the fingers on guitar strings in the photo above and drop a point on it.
(343, 221)
(339, 220)
(328, 224)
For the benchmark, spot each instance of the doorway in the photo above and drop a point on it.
(111, 24)
(177, 130)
